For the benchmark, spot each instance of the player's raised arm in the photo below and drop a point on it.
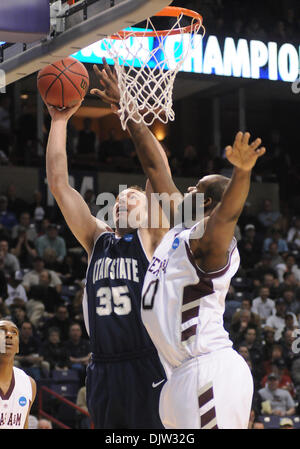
(212, 248)
(76, 212)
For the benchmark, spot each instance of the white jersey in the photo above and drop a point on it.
(183, 306)
(15, 403)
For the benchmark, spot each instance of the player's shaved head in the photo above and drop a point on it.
(214, 187)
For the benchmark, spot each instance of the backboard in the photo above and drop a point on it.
(73, 26)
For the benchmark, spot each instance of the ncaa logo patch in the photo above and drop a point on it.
(128, 237)
(22, 401)
(175, 244)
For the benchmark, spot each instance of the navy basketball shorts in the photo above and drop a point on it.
(124, 394)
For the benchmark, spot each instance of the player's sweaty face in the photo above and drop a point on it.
(9, 338)
(130, 207)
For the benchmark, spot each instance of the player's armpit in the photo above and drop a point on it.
(33, 387)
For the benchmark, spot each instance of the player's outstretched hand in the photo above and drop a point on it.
(63, 114)
(110, 92)
(242, 154)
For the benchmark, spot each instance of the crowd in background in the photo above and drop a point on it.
(42, 275)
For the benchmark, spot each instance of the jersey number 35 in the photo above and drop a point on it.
(115, 299)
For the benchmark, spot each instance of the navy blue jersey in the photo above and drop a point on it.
(114, 284)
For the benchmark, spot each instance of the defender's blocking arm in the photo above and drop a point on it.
(150, 152)
(211, 250)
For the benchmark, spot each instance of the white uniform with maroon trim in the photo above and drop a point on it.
(14, 404)
(209, 384)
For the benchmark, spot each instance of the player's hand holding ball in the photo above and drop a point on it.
(63, 86)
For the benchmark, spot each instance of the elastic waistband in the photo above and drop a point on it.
(119, 357)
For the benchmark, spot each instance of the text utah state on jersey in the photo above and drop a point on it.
(120, 268)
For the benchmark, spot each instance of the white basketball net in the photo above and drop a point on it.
(146, 68)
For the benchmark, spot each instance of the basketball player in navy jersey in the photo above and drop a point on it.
(125, 376)
(17, 389)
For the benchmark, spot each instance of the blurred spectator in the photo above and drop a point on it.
(270, 280)
(268, 217)
(37, 207)
(24, 225)
(289, 282)
(292, 304)
(286, 423)
(89, 197)
(72, 269)
(255, 350)
(29, 357)
(277, 321)
(23, 248)
(53, 241)
(276, 401)
(255, 31)
(86, 139)
(78, 350)
(288, 351)
(276, 258)
(263, 305)
(231, 306)
(46, 294)
(239, 327)
(293, 235)
(54, 351)
(84, 421)
(248, 218)
(190, 163)
(282, 246)
(44, 424)
(267, 344)
(285, 382)
(15, 288)
(288, 266)
(10, 262)
(7, 218)
(16, 205)
(111, 149)
(33, 277)
(61, 321)
(246, 304)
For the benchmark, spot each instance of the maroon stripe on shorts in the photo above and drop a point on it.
(189, 332)
(208, 417)
(205, 397)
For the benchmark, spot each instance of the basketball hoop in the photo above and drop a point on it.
(147, 64)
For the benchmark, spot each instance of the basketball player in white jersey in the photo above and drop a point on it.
(17, 389)
(209, 384)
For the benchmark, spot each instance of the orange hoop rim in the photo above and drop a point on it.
(168, 11)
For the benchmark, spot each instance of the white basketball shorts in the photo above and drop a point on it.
(212, 391)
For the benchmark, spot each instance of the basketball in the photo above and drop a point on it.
(63, 83)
